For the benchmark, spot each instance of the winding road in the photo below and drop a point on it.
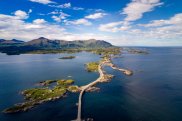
(86, 87)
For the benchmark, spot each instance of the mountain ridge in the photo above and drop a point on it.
(17, 47)
(48, 43)
(13, 41)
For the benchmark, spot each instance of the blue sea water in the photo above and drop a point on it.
(153, 93)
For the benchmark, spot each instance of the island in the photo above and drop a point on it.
(46, 82)
(67, 57)
(37, 96)
(92, 66)
(137, 51)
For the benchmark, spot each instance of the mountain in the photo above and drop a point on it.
(91, 43)
(13, 41)
(13, 46)
(43, 43)
(47, 43)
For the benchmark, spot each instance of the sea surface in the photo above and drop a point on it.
(153, 93)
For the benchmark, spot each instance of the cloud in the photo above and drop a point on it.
(95, 10)
(114, 26)
(110, 27)
(78, 8)
(29, 11)
(157, 32)
(135, 9)
(54, 12)
(56, 18)
(21, 14)
(42, 1)
(14, 26)
(65, 5)
(86, 36)
(39, 21)
(61, 16)
(164, 29)
(161, 30)
(95, 15)
(80, 22)
(175, 20)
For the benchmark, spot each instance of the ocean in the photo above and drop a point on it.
(152, 93)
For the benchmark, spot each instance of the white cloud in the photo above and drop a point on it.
(110, 27)
(29, 11)
(165, 29)
(65, 5)
(42, 1)
(137, 8)
(21, 14)
(175, 20)
(95, 15)
(161, 30)
(157, 32)
(78, 8)
(86, 36)
(133, 11)
(61, 16)
(114, 26)
(80, 22)
(12, 26)
(56, 18)
(39, 21)
(55, 12)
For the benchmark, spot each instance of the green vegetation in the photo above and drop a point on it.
(39, 95)
(65, 82)
(106, 51)
(20, 107)
(67, 57)
(47, 82)
(92, 66)
(73, 88)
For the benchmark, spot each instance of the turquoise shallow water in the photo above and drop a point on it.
(153, 93)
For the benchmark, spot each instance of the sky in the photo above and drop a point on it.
(120, 22)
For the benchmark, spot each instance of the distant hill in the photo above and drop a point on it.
(13, 41)
(47, 43)
(14, 46)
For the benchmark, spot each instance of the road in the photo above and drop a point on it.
(86, 87)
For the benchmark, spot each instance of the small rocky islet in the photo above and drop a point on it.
(67, 57)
